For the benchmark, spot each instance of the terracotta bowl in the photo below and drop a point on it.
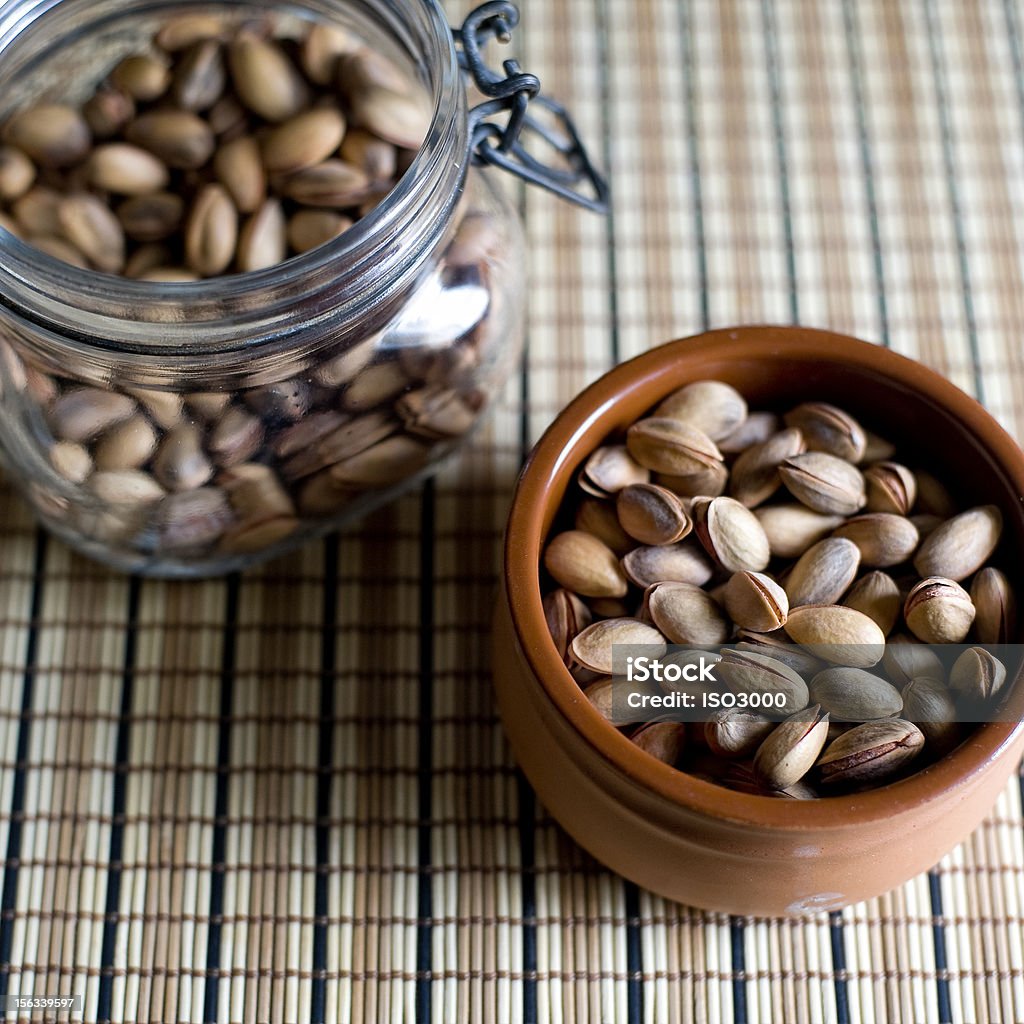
(690, 840)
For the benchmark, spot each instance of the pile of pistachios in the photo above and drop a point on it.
(219, 148)
(825, 564)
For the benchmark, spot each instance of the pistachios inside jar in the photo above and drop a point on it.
(796, 554)
(252, 286)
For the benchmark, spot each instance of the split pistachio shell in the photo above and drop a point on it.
(593, 646)
(837, 634)
(686, 614)
(824, 483)
(978, 675)
(731, 534)
(996, 605)
(883, 539)
(939, 611)
(755, 474)
(871, 752)
(712, 406)
(854, 695)
(891, 487)
(583, 564)
(755, 601)
(609, 469)
(751, 672)
(877, 595)
(823, 573)
(671, 446)
(961, 545)
(652, 514)
(735, 733)
(829, 429)
(566, 615)
(790, 751)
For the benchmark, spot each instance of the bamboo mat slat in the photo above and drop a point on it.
(287, 797)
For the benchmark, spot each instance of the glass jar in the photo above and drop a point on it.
(271, 405)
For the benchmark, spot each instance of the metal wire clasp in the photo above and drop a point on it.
(504, 145)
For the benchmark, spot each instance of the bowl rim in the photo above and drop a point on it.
(991, 741)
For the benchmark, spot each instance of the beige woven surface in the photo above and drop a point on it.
(288, 798)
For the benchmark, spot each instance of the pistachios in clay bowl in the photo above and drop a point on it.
(815, 517)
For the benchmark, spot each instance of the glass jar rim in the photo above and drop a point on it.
(106, 312)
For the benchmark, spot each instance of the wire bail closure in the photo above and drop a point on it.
(503, 145)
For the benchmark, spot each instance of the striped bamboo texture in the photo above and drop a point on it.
(287, 797)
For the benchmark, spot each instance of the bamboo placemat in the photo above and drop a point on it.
(287, 797)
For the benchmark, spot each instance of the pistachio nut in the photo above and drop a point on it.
(929, 705)
(583, 564)
(961, 545)
(17, 174)
(755, 601)
(671, 446)
(142, 76)
(125, 487)
(151, 218)
(877, 595)
(387, 462)
(238, 166)
(332, 183)
(685, 613)
(791, 528)
(320, 50)
(179, 138)
(566, 615)
(592, 646)
(265, 79)
(71, 460)
(399, 117)
(877, 449)
(939, 611)
(731, 534)
(870, 752)
(599, 518)
(755, 429)
(257, 535)
(191, 520)
(610, 468)
(308, 229)
(304, 140)
(996, 605)
(884, 539)
(891, 488)
(129, 445)
(744, 671)
(200, 77)
(92, 228)
(108, 111)
(211, 231)
(829, 429)
(905, 660)
(662, 740)
(977, 675)
(736, 733)
(854, 695)
(126, 170)
(823, 573)
(709, 482)
(837, 634)
(84, 413)
(933, 497)
(712, 406)
(51, 134)
(180, 463)
(679, 563)
(775, 645)
(601, 695)
(824, 483)
(755, 474)
(262, 242)
(789, 752)
(652, 514)
(185, 30)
